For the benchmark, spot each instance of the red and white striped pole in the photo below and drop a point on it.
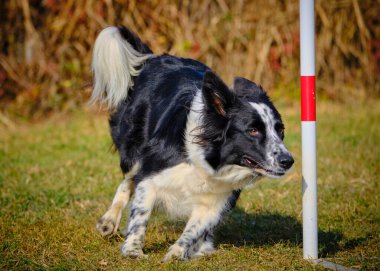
(308, 118)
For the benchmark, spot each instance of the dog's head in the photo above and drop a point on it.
(242, 127)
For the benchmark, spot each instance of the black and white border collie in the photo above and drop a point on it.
(187, 142)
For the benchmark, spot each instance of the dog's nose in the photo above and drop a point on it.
(285, 160)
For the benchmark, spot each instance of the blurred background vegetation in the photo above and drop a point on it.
(45, 52)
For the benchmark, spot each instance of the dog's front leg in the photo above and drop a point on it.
(139, 214)
(202, 221)
(205, 246)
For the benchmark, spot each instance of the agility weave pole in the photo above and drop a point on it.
(308, 124)
(309, 145)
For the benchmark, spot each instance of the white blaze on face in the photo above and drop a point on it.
(274, 143)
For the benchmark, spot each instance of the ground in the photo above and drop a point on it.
(58, 176)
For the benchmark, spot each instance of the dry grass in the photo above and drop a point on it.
(58, 176)
(46, 45)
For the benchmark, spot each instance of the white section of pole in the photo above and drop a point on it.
(309, 190)
(307, 37)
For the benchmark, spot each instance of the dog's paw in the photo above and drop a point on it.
(106, 225)
(133, 253)
(204, 250)
(175, 252)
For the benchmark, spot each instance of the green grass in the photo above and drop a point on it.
(57, 177)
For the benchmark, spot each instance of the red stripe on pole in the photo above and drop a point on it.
(308, 98)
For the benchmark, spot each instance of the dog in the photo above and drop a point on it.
(187, 142)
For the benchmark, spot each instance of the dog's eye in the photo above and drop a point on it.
(253, 131)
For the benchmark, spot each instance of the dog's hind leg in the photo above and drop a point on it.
(109, 223)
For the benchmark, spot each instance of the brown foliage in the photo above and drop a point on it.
(46, 45)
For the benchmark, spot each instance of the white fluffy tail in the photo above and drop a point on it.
(114, 63)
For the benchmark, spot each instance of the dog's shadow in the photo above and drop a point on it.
(240, 228)
(244, 229)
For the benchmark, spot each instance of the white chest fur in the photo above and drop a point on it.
(184, 187)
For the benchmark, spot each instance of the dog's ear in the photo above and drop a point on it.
(217, 95)
(243, 87)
